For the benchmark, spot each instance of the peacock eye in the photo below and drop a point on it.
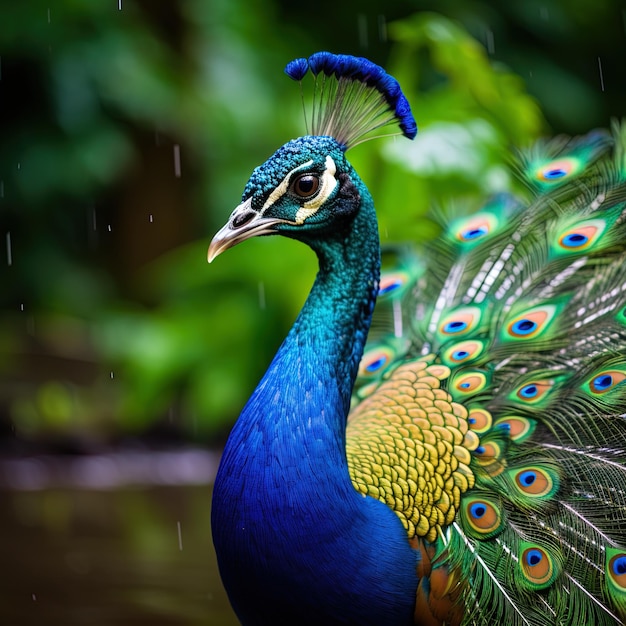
(306, 185)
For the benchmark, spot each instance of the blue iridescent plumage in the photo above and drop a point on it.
(287, 451)
(352, 113)
(466, 462)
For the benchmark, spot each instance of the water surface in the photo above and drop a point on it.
(108, 556)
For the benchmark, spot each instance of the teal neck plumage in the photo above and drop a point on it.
(335, 319)
(291, 529)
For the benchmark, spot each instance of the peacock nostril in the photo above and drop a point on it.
(242, 219)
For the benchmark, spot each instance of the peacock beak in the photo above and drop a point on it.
(243, 224)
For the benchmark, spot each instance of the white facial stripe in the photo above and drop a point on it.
(328, 183)
(282, 188)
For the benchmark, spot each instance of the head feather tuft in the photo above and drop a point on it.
(352, 97)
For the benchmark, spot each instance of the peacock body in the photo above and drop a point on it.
(468, 464)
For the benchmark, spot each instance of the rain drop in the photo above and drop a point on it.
(9, 252)
(112, 376)
(34, 597)
(397, 318)
(119, 5)
(150, 218)
(601, 76)
(177, 160)
(92, 226)
(491, 47)
(48, 15)
(109, 227)
(382, 28)
(180, 537)
(362, 26)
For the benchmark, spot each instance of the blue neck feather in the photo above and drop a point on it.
(296, 543)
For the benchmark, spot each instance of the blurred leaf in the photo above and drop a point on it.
(129, 134)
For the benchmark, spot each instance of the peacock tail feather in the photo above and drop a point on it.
(487, 410)
(513, 463)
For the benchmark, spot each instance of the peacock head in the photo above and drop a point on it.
(307, 186)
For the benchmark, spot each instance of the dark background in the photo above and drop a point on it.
(128, 132)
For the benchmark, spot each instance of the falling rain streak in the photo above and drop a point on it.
(382, 28)
(180, 537)
(601, 76)
(362, 26)
(92, 226)
(9, 252)
(177, 160)
(491, 46)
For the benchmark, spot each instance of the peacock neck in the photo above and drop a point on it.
(305, 393)
(332, 327)
(304, 397)
(284, 508)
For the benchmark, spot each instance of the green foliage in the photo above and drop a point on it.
(110, 550)
(128, 136)
(194, 349)
(469, 118)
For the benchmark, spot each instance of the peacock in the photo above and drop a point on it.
(466, 462)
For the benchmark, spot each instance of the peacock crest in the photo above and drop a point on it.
(352, 97)
(466, 465)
